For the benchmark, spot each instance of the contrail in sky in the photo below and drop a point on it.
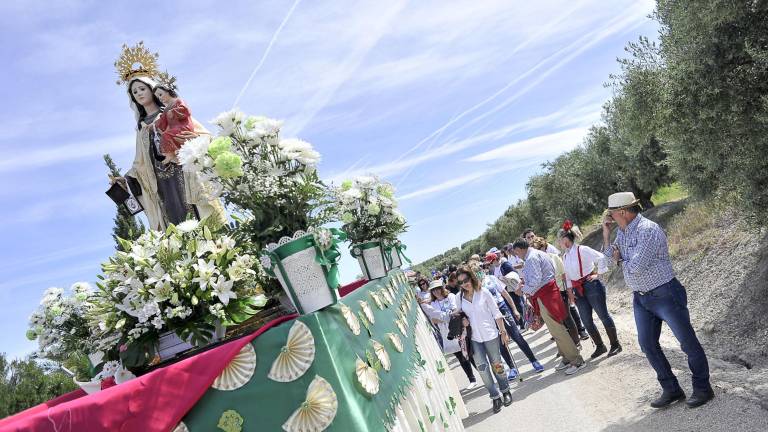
(266, 53)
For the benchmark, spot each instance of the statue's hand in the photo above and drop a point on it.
(185, 136)
(120, 180)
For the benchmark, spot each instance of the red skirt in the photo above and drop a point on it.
(550, 297)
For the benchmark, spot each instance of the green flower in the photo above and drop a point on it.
(386, 190)
(231, 421)
(251, 121)
(229, 165)
(56, 310)
(346, 185)
(31, 335)
(347, 218)
(219, 146)
(374, 209)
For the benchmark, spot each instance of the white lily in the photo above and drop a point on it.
(223, 289)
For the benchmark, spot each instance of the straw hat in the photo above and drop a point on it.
(622, 200)
(437, 283)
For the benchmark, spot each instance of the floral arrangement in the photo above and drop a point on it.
(368, 210)
(60, 325)
(270, 183)
(183, 280)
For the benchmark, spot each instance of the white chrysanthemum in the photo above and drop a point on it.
(188, 225)
(350, 195)
(190, 155)
(365, 181)
(228, 121)
(302, 151)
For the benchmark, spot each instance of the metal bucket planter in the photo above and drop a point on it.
(372, 259)
(306, 267)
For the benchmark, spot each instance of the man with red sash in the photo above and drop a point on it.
(539, 283)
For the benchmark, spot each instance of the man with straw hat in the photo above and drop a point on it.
(641, 250)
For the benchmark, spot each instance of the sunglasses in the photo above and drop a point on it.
(462, 281)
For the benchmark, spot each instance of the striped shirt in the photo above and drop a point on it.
(537, 271)
(644, 253)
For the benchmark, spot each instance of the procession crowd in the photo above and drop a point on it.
(478, 306)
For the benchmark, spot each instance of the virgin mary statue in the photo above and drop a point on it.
(168, 194)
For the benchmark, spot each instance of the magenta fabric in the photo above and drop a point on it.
(153, 402)
(346, 289)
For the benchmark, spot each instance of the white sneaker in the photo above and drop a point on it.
(562, 365)
(471, 386)
(572, 369)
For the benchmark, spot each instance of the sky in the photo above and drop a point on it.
(456, 103)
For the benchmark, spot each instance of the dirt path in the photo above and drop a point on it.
(612, 394)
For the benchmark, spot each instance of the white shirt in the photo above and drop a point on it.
(497, 270)
(482, 312)
(552, 250)
(589, 259)
(424, 295)
(441, 310)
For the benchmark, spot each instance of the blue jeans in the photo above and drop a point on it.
(593, 299)
(669, 303)
(482, 351)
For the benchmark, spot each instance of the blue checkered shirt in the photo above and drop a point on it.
(644, 253)
(537, 271)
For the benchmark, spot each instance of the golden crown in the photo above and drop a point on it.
(166, 80)
(135, 61)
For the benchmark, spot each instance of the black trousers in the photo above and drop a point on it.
(466, 365)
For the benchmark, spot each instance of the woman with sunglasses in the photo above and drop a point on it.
(487, 324)
(422, 295)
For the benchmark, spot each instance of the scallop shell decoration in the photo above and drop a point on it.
(181, 427)
(382, 355)
(390, 298)
(377, 299)
(367, 311)
(401, 327)
(317, 411)
(238, 372)
(352, 322)
(296, 356)
(367, 377)
(396, 342)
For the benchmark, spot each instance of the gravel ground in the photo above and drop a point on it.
(609, 395)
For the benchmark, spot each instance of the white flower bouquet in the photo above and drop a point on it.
(368, 210)
(183, 280)
(270, 183)
(59, 324)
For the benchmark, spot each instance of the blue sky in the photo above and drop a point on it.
(456, 103)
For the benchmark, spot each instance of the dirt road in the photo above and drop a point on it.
(610, 394)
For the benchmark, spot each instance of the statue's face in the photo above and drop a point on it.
(141, 93)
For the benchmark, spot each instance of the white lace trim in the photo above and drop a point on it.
(285, 240)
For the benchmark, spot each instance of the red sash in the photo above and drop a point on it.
(578, 285)
(550, 297)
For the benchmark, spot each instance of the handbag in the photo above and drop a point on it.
(532, 319)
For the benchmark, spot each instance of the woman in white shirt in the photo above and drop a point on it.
(487, 325)
(582, 265)
(443, 306)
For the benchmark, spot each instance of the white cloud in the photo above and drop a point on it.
(570, 115)
(540, 146)
(57, 153)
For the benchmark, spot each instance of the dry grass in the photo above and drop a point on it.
(695, 229)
